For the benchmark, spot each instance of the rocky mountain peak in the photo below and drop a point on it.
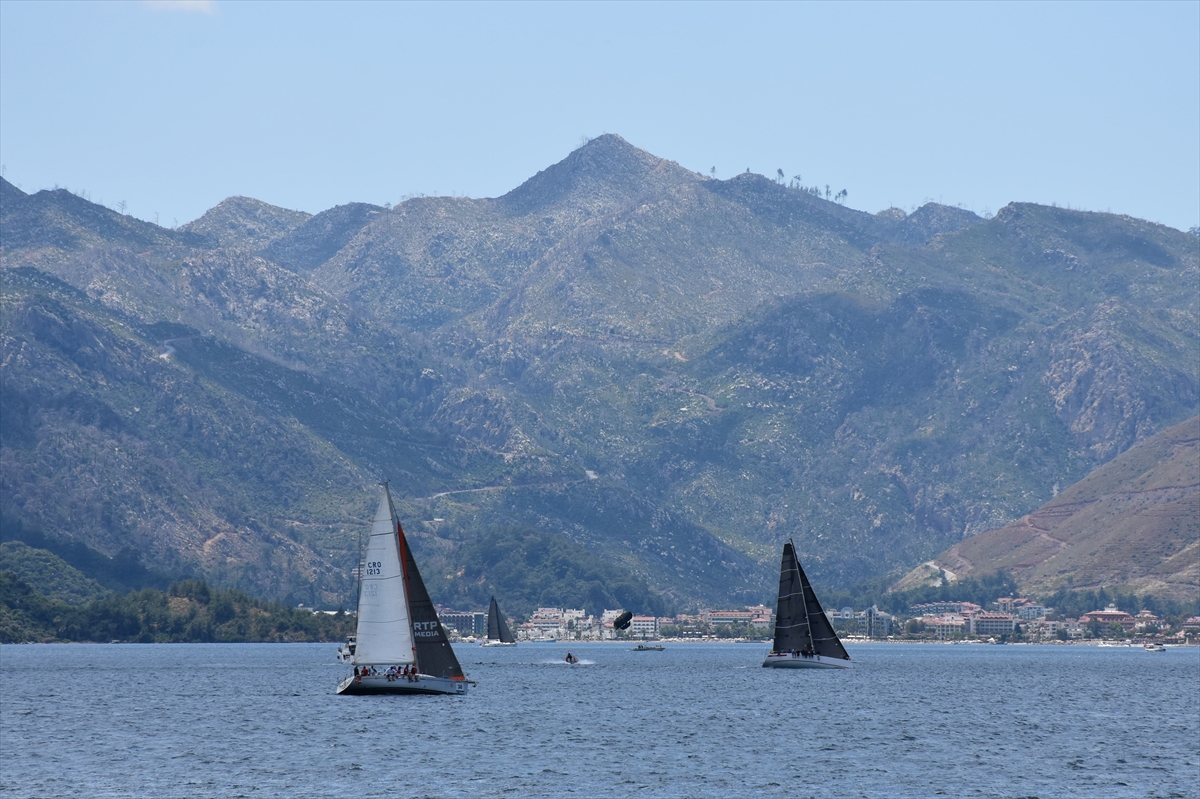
(246, 222)
(607, 170)
(319, 238)
(63, 220)
(932, 219)
(9, 192)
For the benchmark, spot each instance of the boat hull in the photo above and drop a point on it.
(380, 684)
(499, 643)
(790, 661)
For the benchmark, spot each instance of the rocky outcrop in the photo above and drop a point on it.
(243, 222)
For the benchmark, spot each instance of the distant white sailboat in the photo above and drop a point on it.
(804, 637)
(400, 645)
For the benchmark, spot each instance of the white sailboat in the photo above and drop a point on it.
(804, 637)
(400, 646)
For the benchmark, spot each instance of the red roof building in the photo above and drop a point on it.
(1108, 616)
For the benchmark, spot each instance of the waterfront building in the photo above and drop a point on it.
(467, 622)
(1109, 615)
(644, 626)
(762, 617)
(1031, 611)
(548, 620)
(1043, 629)
(947, 625)
(1145, 619)
(715, 617)
(992, 623)
(878, 623)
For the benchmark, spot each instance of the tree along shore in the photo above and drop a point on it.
(190, 611)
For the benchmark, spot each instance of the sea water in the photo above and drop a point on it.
(696, 720)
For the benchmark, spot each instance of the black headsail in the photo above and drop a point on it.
(800, 623)
(497, 626)
(435, 657)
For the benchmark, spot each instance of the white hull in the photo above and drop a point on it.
(499, 643)
(790, 661)
(423, 684)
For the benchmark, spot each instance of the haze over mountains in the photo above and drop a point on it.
(639, 380)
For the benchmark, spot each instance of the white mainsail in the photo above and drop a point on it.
(384, 621)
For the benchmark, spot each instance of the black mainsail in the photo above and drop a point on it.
(497, 626)
(434, 654)
(800, 623)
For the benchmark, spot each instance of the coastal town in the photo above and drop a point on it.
(1008, 619)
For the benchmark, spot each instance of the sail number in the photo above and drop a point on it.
(374, 567)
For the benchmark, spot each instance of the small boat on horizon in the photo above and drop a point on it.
(804, 636)
(400, 644)
(1151, 646)
(498, 633)
(649, 648)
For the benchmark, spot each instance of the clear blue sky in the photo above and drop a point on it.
(173, 107)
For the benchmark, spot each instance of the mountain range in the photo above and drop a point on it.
(642, 380)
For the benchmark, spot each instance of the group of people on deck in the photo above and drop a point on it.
(392, 673)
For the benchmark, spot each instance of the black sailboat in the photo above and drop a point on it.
(804, 636)
(498, 633)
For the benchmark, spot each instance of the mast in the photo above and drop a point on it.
(493, 623)
(412, 636)
(803, 582)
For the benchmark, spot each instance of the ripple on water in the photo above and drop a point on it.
(697, 720)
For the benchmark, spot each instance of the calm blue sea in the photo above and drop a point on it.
(697, 720)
